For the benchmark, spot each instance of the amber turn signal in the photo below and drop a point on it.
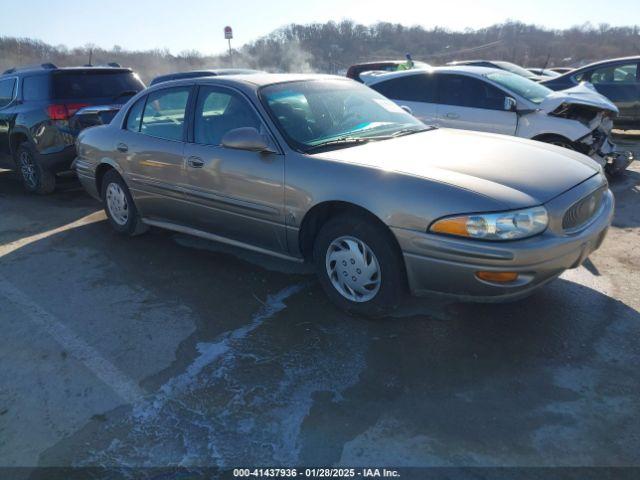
(500, 277)
(452, 226)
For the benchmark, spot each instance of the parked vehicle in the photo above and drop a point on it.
(202, 73)
(323, 169)
(497, 101)
(617, 79)
(354, 71)
(544, 72)
(43, 108)
(500, 65)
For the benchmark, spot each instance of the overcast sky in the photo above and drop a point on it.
(198, 24)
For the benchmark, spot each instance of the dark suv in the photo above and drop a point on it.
(41, 113)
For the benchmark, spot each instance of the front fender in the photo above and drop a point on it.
(538, 123)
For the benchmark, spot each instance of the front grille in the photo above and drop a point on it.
(581, 212)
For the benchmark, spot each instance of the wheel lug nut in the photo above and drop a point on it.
(344, 263)
(353, 261)
(353, 278)
(359, 271)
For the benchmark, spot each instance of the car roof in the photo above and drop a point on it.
(466, 62)
(203, 73)
(365, 64)
(50, 68)
(634, 58)
(253, 81)
(371, 78)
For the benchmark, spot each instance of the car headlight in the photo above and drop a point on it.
(495, 226)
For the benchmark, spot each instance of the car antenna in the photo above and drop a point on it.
(546, 63)
(90, 56)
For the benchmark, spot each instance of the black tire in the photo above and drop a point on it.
(612, 171)
(381, 242)
(35, 178)
(133, 224)
(558, 141)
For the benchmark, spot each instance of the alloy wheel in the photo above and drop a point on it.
(28, 170)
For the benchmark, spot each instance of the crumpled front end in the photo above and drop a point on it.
(596, 144)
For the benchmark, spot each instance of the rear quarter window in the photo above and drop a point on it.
(36, 88)
(7, 91)
(134, 117)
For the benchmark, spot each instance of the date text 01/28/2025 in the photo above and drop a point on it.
(315, 473)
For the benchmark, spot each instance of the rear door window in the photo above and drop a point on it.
(411, 88)
(35, 88)
(88, 84)
(469, 92)
(164, 113)
(7, 91)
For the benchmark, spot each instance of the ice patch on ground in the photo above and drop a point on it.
(242, 400)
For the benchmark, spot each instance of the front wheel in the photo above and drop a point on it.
(359, 265)
(558, 141)
(119, 207)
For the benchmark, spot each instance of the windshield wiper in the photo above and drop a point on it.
(344, 141)
(409, 131)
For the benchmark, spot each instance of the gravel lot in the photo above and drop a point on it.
(165, 349)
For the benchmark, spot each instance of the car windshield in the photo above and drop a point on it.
(513, 68)
(338, 113)
(532, 91)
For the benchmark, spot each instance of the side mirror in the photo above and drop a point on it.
(246, 138)
(510, 104)
(407, 109)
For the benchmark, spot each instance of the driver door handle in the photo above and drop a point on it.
(195, 162)
(122, 148)
(452, 115)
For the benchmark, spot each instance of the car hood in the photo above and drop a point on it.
(518, 173)
(584, 94)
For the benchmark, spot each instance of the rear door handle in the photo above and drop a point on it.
(122, 148)
(195, 162)
(452, 115)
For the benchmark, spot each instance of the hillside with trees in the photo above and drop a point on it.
(331, 47)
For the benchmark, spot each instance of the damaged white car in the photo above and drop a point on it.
(497, 101)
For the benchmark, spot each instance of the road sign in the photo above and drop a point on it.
(228, 33)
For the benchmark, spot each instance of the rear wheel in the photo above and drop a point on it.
(35, 178)
(119, 206)
(359, 265)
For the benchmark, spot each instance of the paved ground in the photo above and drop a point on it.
(164, 349)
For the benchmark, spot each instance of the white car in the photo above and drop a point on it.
(497, 101)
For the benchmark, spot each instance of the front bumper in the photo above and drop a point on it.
(611, 157)
(448, 265)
